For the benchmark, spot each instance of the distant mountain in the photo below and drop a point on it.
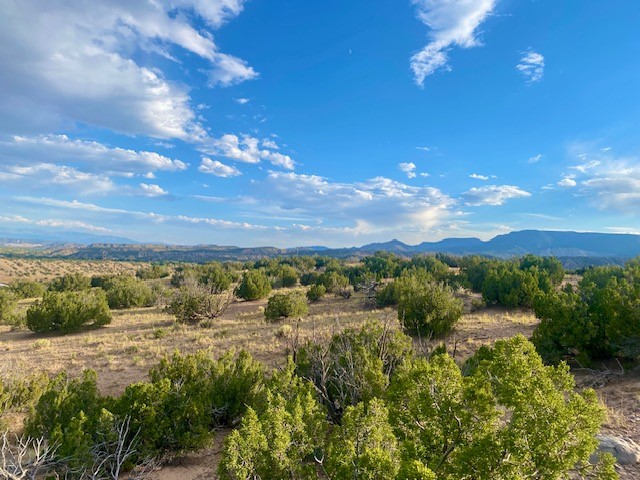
(573, 248)
(51, 238)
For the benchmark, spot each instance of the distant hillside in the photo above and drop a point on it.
(573, 248)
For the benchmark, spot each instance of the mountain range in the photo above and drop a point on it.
(573, 248)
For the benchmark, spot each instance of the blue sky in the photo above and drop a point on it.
(318, 123)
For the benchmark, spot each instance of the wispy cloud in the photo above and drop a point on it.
(493, 195)
(531, 66)
(536, 158)
(451, 23)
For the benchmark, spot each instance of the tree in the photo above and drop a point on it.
(194, 302)
(286, 305)
(254, 285)
(69, 311)
(27, 289)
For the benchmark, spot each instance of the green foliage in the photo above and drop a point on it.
(215, 277)
(284, 276)
(285, 305)
(282, 440)
(387, 295)
(383, 264)
(425, 307)
(70, 282)
(333, 281)
(511, 287)
(439, 270)
(364, 446)
(188, 397)
(601, 320)
(254, 285)
(309, 278)
(316, 292)
(125, 291)
(8, 302)
(355, 366)
(69, 311)
(511, 417)
(152, 272)
(70, 414)
(27, 289)
(551, 267)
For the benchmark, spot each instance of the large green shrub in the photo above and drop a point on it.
(364, 446)
(333, 281)
(70, 414)
(70, 282)
(280, 438)
(511, 417)
(285, 305)
(8, 302)
(284, 276)
(426, 308)
(254, 285)
(355, 365)
(27, 288)
(601, 319)
(69, 311)
(215, 277)
(188, 397)
(125, 291)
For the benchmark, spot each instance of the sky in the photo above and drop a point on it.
(336, 123)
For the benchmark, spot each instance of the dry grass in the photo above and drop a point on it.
(43, 269)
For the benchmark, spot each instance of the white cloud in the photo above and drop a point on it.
(536, 158)
(246, 149)
(531, 66)
(41, 176)
(425, 149)
(229, 70)
(605, 149)
(567, 182)
(66, 62)
(151, 190)
(493, 195)
(242, 101)
(615, 185)
(93, 156)
(375, 205)
(268, 143)
(451, 23)
(217, 168)
(55, 223)
(478, 177)
(408, 168)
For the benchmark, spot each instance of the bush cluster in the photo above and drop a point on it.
(254, 285)
(69, 311)
(601, 319)
(70, 282)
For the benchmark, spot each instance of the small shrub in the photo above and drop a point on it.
(41, 344)
(254, 285)
(285, 306)
(125, 291)
(193, 303)
(316, 292)
(70, 282)
(68, 311)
